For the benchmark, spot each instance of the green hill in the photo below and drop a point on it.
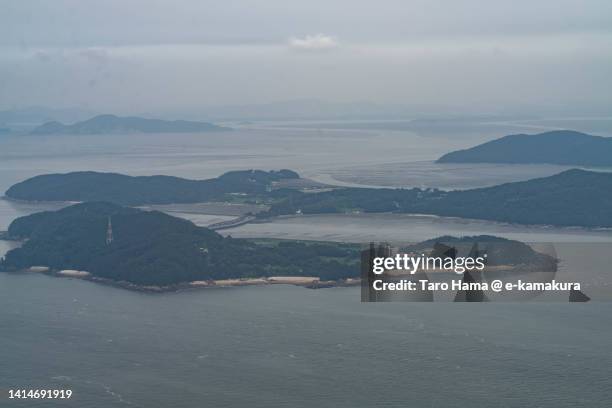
(152, 248)
(563, 147)
(571, 198)
(127, 190)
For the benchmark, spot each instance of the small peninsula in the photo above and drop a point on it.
(561, 147)
(109, 124)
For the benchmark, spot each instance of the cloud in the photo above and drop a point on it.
(316, 42)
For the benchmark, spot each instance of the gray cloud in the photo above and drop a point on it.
(143, 55)
(35, 23)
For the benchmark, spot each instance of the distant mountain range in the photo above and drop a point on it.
(22, 119)
(35, 115)
(130, 124)
(563, 147)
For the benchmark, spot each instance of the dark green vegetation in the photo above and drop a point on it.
(115, 124)
(152, 248)
(127, 190)
(564, 147)
(572, 198)
(500, 251)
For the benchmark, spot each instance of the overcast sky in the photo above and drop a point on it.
(133, 56)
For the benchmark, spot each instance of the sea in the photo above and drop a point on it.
(287, 346)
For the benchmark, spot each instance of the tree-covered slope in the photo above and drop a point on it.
(564, 147)
(152, 248)
(572, 198)
(128, 190)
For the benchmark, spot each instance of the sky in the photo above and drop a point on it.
(129, 56)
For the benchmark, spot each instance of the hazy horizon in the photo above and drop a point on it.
(469, 56)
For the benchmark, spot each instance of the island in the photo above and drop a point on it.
(133, 191)
(505, 258)
(571, 198)
(561, 147)
(150, 250)
(108, 124)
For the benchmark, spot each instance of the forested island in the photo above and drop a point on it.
(571, 198)
(153, 248)
(563, 147)
(105, 124)
(500, 251)
(110, 243)
(128, 190)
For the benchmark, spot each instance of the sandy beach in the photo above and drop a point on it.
(74, 273)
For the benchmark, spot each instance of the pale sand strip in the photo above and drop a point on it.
(288, 280)
(240, 282)
(294, 280)
(74, 274)
(38, 269)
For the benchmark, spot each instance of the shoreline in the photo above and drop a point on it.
(309, 282)
(219, 284)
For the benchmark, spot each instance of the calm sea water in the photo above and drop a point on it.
(288, 346)
(407, 228)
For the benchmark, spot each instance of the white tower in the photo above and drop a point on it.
(109, 232)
